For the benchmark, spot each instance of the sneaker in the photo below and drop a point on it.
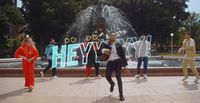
(99, 76)
(42, 74)
(184, 78)
(137, 76)
(145, 76)
(55, 77)
(196, 80)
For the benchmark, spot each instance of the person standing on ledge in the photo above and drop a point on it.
(102, 35)
(29, 54)
(116, 60)
(189, 56)
(48, 53)
(92, 58)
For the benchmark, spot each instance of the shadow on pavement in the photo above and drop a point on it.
(190, 86)
(138, 80)
(13, 93)
(43, 80)
(107, 99)
(83, 81)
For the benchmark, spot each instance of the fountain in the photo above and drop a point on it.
(101, 15)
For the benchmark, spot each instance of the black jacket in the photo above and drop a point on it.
(119, 49)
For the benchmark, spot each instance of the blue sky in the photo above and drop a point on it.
(193, 5)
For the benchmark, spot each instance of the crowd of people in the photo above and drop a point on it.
(114, 56)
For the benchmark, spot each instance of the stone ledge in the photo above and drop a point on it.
(80, 72)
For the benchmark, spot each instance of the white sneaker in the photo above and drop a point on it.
(99, 76)
(145, 76)
(42, 74)
(55, 77)
(184, 78)
(137, 76)
(196, 80)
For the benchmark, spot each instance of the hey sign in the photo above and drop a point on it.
(68, 52)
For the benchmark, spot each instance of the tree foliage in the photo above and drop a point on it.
(9, 14)
(51, 18)
(156, 17)
(192, 25)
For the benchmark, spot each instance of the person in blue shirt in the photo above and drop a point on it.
(48, 53)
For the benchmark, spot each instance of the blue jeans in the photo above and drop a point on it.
(145, 61)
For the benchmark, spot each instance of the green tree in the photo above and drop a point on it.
(156, 17)
(9, 14)
(192, 25)
(51, 18)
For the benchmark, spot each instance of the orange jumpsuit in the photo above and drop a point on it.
(28, 67)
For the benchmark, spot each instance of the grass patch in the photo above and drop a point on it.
(169, 54)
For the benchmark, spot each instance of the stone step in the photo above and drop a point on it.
(80, 72)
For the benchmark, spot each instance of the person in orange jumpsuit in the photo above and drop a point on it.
(29, 54)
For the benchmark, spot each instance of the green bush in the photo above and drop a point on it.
(12, 45)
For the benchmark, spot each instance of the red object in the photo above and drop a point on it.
(28, 67)
(88, 70)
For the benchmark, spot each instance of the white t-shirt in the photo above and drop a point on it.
(142, 48)
(189, 43)
(113, 53)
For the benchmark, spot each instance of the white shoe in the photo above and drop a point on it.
(145, 76)
(137, 76)
(55, 77)
(184, 78)
(42, 74)
(99, 76)
(196, 80)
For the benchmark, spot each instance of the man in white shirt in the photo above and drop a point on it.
(189, 56)
(115, 62)
(142, 52)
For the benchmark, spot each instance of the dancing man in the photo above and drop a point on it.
(116, 60)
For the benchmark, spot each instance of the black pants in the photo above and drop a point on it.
(116, 66)
(96, 66)
(48, 67)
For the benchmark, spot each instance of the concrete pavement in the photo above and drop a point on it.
(165, 89)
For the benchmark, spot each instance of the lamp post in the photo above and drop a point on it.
(172, 35)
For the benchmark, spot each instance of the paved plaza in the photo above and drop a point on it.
(165, 89)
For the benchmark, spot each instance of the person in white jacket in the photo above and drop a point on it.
(142, 52)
